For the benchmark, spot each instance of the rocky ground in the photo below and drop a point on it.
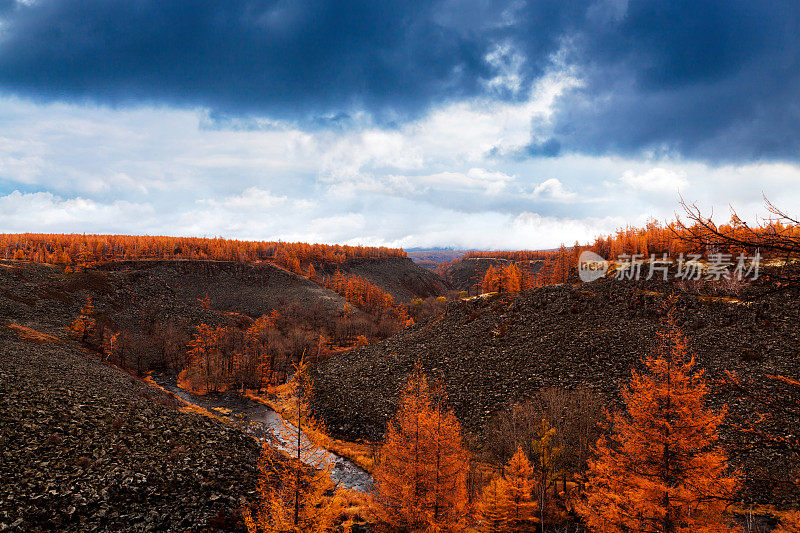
(500, 349)
(466, 273)
(399, 276)
(86, 447)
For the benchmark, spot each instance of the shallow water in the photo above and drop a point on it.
(264, 423)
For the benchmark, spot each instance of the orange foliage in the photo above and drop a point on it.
(661, 470)
(77, 249)
(366, 296)
(421, 479)
(491, 510)
(520, 506)
(293, 494)
(292, 497)
(656, 238)
(207, 370)
(502, 279)
(85, 324)
(789, 523)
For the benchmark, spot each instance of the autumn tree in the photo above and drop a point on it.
(789, 523)
(109, 345)
(421, 478)
(520, 506)
(255, 362)
(546, 454)
(491, 280)
(512, 278)
(85, 324)
(296, 494)
(661, 469)
(207, 367)
(491, 509)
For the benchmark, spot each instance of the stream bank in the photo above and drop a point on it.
(265, 424)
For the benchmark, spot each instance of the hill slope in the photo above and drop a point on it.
(492, 350)
(464, 274)
(85, 447)
(251, 289)
(399, 276)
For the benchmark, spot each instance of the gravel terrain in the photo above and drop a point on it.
(86, 447)
(499, 349)
(399, 276)
(464, 274)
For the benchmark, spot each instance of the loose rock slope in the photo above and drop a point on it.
(86, 447)
(498, 349)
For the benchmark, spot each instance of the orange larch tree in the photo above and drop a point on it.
(296, 494)
(661, 470)
(85, 324)
(512, 278)
(544, 467)
(421, 477)
(508, 502)
(207, 370)
(490, 510)
(491, 280)
(520, 505)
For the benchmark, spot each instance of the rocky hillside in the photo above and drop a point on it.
(399, 276)
(466, 273)
(489, 351)
(251, 289)
(86, 447)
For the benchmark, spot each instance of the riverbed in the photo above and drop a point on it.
(265, 424)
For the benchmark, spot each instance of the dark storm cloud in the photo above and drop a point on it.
(708, 80)
(711, 80)
(283, 58)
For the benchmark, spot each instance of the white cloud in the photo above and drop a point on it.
(656, 180)
(45, 212)
(508, 62)
(425, 183)
(552, 189)
(474, 179)
(251, 199)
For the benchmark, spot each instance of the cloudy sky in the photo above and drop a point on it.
(473, 124)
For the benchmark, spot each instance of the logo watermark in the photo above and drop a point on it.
(715, 267)
(591, 266)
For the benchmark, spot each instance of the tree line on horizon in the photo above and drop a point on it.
(79, 250)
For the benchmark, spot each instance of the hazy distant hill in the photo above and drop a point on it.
(431, 259)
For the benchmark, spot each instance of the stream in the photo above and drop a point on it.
(265, 424)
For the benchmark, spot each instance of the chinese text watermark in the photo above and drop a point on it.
(715, 267)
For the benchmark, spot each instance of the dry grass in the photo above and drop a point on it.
(356, 508)
(187, 407)
(31, 335)
(360, 453)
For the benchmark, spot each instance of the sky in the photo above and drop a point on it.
(466, 124)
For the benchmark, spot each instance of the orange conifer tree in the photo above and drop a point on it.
(294, 495)
(661, 470)
(491, 510)
(546, 454)
(85, 324)
(520, 506)
(789, 523)
(421, 479)
(512, 278)
(507, 503)
(491, 280)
